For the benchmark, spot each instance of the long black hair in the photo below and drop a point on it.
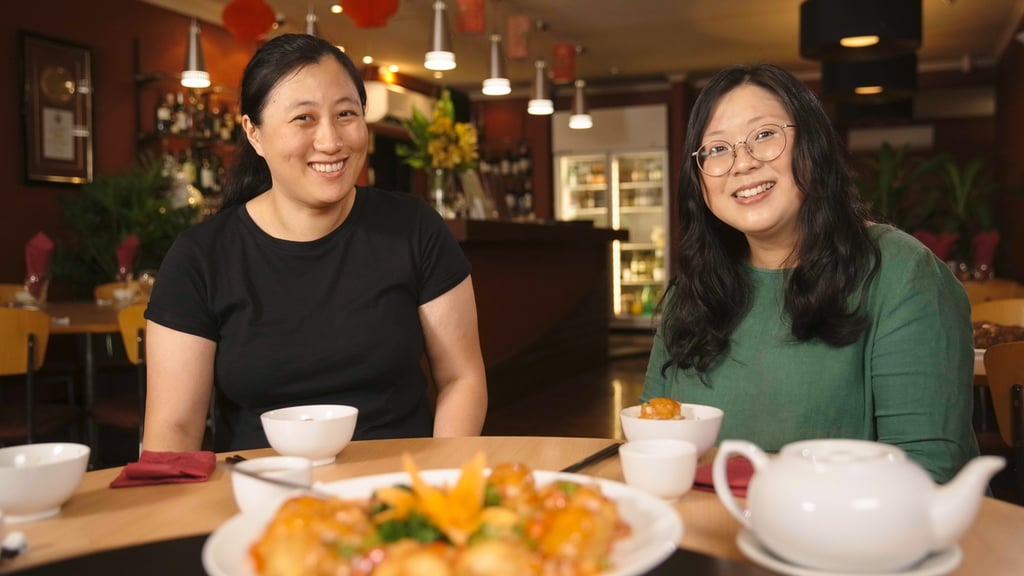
(712, 292)
(274, 61)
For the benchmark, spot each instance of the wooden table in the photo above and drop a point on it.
(100, 518)
(85, 318)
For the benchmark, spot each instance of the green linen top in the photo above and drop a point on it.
(907, 381)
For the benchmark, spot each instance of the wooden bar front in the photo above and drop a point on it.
(543, 296)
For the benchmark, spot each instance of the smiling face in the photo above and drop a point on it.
(760, 199)
(313, 136)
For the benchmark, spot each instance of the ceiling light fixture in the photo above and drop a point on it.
(195, 74)
(541, 103)
(336, 8)
(497, 84)
(440, 55)
(311, 22)
(580, 119)
(863, 30)
(886, 79)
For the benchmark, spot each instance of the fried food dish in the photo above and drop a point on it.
(661, 409)
(499, 524)
(988, 334)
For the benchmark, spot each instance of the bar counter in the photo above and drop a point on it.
(543, 296)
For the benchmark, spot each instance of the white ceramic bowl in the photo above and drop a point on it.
(318, 432)
(255, 495)
(700, 425)
(37, 479)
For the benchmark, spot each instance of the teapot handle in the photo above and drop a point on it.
(719, 473)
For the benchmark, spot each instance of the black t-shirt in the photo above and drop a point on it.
(332, 321)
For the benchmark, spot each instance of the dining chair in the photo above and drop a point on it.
(979, 291)
(8, 293)
(1007, 311)
(127, 410)
(24, 335)
(105, 292)
(1004, 365)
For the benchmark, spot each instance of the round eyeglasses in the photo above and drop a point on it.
(764, 143)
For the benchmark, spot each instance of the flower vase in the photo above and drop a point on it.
(443, 192)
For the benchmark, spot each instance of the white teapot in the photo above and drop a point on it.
(851, 505)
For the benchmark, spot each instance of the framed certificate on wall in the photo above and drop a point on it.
(56, 110)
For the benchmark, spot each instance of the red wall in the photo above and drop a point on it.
(110, 29)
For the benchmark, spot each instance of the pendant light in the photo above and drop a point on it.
(195, 74)
(580, 118)
(440, 55)
(497, 84)
(858, 31)
(311, 22)
(541, 104)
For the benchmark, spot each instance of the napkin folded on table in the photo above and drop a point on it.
(739, 470)
(940, 244)
(126, 252)
(984, 245)
(38, 256)
(167, 468)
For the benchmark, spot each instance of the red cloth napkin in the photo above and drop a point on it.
(940, 244)
(984, 245)
(738, 470)
(126, 252)
(167, 468)
(38, 255)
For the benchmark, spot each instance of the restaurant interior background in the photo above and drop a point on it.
(120, 31)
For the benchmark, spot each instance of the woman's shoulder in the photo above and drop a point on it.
(894, 243)
(212, 229)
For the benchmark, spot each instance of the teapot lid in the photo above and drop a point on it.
(843, 451)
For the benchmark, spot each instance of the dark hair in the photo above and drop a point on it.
(274, 61)
(711, 291)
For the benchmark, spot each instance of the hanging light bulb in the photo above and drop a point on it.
(541, 104)
(440, 55)
(195, 74)
(497, 84)
(580, 118)
(311, 22)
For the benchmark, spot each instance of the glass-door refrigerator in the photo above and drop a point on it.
(623, 190)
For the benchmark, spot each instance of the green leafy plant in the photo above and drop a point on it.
(440, 142)
(106, 211)
(968, 193)
(897, 186)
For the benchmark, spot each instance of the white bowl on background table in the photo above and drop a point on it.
(37, 479)
(318, 432)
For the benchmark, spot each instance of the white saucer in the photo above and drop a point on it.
(938, 564)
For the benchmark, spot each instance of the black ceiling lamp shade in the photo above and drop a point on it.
(825, 23)
(883, 80)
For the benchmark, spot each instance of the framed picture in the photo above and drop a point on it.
(56, 109)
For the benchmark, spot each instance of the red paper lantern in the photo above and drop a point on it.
(563, 62)
(369, 13)
(471, 16)
(248, 19)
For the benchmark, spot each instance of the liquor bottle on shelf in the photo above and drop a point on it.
(164, 113)
(181, 116)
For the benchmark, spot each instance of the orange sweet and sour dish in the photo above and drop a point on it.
(661, 409)
(484, 525)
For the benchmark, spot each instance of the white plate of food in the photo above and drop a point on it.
(655, 526)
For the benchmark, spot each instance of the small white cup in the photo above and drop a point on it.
(255, 495)
(663, 467)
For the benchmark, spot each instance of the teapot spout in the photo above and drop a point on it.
(956, 503)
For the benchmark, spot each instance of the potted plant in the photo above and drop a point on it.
(897, 186)
(967, 212)
(109, 209)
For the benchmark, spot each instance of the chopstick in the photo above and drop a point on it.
(602, 454)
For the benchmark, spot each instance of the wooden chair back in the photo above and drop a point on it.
(130, 321)
(1004, 367)
(8, 291)
(979, 291)
(106, 291)
(15, 326)
(1007, 311)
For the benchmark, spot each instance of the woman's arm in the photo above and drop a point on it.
(179, 381)
(453, 348)
(922, 365)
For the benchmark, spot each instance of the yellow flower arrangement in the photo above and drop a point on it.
(441, 142)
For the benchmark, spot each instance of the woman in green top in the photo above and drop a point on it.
(790, 310)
